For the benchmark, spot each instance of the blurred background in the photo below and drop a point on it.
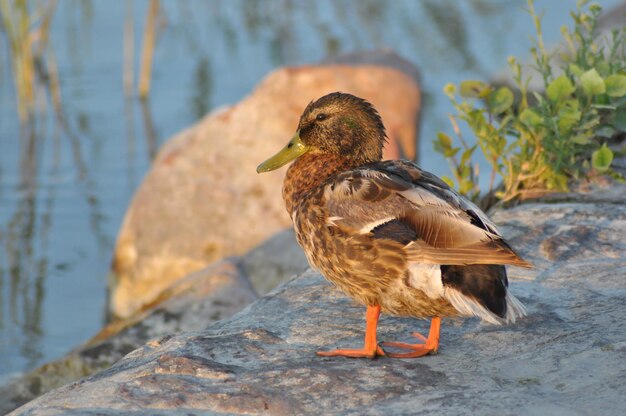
(76, 139)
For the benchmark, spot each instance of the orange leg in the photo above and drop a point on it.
(430, 345)
(370, 346)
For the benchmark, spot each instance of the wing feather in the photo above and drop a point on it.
(450, 229)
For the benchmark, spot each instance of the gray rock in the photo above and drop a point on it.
(568, 357)
(600, 191)
(193, 303)
(273, 262)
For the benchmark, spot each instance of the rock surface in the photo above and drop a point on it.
(193, 303)
(202, 200)
(190, 304)
(568, 357)
(279, 258)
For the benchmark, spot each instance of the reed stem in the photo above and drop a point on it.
(149, 38)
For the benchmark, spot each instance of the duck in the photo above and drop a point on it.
(393, 237)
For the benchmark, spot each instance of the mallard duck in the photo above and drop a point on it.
(392, 236)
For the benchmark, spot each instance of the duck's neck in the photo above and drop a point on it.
(308, 172)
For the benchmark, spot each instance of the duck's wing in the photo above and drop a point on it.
(395, 200)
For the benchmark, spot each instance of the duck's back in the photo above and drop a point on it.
(389, 233)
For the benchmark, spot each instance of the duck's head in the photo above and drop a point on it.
(337, 124)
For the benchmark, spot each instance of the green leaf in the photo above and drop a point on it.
(582, 139)
(575, 70)
(604, 107)
(443, 145)
(560, 88)
(595, 8)
(530, 118)
(449, 90)
(467, 155)
(615, 85)
(601, 159)
(477, 122)
(466, 186)
(451, 152)
(567, 118)
(444, 139)
(500, 100)
(591, 122)
(592, 83)
(473, 89)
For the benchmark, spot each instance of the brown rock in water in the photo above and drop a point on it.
(202, 200)
(565, 358)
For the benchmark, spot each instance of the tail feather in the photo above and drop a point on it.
(468, 306)
(514, 308)
(481, 290)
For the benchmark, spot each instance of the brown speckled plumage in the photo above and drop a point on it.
(385, 232)
(372, 271)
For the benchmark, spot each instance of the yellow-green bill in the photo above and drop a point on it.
(294, 148)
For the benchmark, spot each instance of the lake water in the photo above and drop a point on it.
(63, 192)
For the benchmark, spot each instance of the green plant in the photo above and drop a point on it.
(537, 141)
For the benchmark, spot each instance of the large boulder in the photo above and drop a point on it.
(567, 357)
(202, 200)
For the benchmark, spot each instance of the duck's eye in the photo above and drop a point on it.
(321, 116)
